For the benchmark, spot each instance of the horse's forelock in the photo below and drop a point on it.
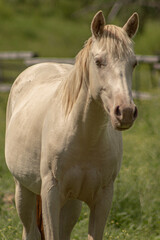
(116, 41)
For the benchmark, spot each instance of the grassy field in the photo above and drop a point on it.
(135, 209)
(51, 35)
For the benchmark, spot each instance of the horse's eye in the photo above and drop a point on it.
(98, 62)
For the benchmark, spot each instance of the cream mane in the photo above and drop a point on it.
(115, 41)
(79, 75)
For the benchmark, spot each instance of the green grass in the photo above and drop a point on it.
(47, 35)
(9, 221)
(146, 41)
(135, 209)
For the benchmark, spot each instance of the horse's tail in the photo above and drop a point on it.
(39, 217)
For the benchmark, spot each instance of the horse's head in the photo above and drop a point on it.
(112, 61)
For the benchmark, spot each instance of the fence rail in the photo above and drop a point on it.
(29, 62)
(12, 63)
(17, 55)
(148, 59)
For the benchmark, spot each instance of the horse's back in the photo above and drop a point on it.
(28, 102)
(40, 77)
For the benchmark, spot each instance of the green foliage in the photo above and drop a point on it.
(147, 41)
(47, 35)
(51, 28)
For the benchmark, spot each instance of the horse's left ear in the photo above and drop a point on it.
(97, 25)
(131, 25)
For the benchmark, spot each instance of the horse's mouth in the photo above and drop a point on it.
(121, 125)
(123, 128)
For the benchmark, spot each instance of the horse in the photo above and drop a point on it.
(64, 128)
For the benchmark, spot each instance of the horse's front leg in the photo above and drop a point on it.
(50, 207)
(99, 212)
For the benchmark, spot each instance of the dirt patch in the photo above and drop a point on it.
(8, 198)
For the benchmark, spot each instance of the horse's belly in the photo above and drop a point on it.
(23, 157)
(26, 171)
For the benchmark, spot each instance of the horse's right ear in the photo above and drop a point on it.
(97, 25)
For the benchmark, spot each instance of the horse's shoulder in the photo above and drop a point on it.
(41, 73)
(34, 81)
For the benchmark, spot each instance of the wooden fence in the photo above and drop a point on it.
(12, 63)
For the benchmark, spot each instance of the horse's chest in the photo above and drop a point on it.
(85, 179)
(83, 170)
(80, 183)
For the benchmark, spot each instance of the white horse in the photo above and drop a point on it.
(63, 133)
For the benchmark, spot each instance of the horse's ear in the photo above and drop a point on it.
(131, 25)
(97, 25)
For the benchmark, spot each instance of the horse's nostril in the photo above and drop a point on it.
(135, 113)
(117, 111)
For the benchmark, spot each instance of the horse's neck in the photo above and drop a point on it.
(94, 122)
(87, 114)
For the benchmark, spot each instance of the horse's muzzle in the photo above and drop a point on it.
(124, 116)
